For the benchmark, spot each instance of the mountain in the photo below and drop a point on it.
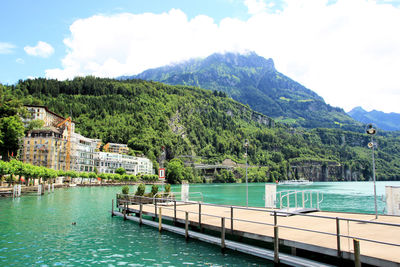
(385, 121)
(200, 126)
(253, 80)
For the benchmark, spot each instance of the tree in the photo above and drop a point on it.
(175, 171)
(120, 171)
(12, 130)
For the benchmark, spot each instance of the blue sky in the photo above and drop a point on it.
(348, 51)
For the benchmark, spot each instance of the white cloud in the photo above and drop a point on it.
(255, 6)
(20, 61)
(42, 49)
(6, 48)
(347, 51)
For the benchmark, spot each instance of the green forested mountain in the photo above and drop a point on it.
(253, 80)
(209, 127)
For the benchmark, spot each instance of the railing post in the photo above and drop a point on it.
(223, 234)
(357, 261)
(339, 252)
(186, 225)
(288, 202)
(231, 220)
(174, 212)
(112, 207)
(160, 220)
(275, 219)
(199, 216)
(302, 195)
(310, 199)
(141, 214)
(295, 198)
(317, 200)
(276, 245)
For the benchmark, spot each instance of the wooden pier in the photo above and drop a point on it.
(338, 235)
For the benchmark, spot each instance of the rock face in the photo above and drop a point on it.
(322, 171)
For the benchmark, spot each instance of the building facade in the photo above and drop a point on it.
(48, 147)
(116, 148)
(107, 162)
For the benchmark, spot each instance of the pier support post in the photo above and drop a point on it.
(223, 234)
(112, 207)
(186, 225)
(125, 204)
(174, 212)
(276, 245)
(159, 220)
(141, 214)
(231, 220)
(275, 219)
(339, 252)
(199, 216)
(357, 261)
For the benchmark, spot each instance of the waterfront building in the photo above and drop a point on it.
(116, 148)
(48, 147)
(44, 147)
(83, 151)
(107, 162)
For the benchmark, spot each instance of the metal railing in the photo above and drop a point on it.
(123, 203)
(306, 198)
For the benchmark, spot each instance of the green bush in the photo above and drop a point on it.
(140, 190)
(154, 189)
(125, 190)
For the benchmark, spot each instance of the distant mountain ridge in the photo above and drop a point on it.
(385, 121)
(253, 80)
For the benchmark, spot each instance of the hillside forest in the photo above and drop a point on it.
(199, 126)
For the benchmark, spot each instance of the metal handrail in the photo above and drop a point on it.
(291, 227)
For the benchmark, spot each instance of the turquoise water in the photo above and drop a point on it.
(38, 231)
(337, 196)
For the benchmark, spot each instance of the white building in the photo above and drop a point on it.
(106, 162)
(83, 152)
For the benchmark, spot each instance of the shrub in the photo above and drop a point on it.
(154, 189)
(140, 190)
(125, 190)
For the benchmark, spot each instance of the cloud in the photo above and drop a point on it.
(6, 48)
(20, 61)
(346, 51)
(255, 6)
(42, 49)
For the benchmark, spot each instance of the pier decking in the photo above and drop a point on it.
(327, 233)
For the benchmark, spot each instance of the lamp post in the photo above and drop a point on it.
(371, 130)
(246, 145)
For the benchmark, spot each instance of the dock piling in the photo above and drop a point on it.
(222, 234)
(112, 207)
(174, 212)
(125, 205)
(141, 214)
(357, 261)
(199, 216)
(160, 220)
(231, 220)
(186, 225)
(276, 245)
